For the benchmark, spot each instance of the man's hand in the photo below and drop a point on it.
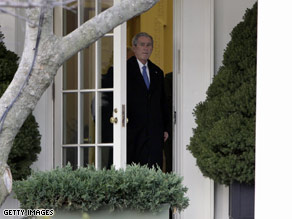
(165, 136)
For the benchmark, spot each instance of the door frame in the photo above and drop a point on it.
(192, 48)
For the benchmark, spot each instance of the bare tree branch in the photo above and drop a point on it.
(102, 23)
(30, 4)
(16, 15)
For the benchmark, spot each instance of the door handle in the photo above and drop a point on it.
(114, 120)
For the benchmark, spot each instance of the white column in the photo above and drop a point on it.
(273, 189)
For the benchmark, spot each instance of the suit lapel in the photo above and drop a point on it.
(153, 76)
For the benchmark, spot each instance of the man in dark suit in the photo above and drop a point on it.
(146, 105)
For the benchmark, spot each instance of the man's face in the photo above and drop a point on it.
(143, 49)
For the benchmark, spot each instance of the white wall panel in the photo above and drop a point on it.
(44, 116)
(228, 13)
(14, 30)
(192, 79)
(7, 24)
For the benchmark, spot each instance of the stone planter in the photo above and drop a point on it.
(105, 214)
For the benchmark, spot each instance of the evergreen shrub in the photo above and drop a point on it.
(87, 189)
(26, 145)
(224, 140)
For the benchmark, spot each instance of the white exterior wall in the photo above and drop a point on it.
(227, 14)
(44, 116)
(13, 30)
(273, 189)
(7, 24)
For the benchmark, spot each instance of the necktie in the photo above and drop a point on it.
(145, 76)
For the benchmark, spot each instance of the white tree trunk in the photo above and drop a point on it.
(53, 51)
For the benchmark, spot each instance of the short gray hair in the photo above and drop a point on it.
(137, 36)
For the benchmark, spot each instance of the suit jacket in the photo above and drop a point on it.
(147, 114)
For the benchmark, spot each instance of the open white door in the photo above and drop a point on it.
(90, 96)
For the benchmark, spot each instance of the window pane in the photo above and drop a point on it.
(105, 106)
(87, 156)
(105, 157)
(70, 72)
(70, 118)
(87, 118)
(88, 67)
(70, 21)
(70, 155)
(106, 63)
(87, 10)
(105, 4)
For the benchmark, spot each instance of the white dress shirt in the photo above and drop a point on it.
(141, 68)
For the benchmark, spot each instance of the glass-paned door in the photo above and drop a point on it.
(91, 96)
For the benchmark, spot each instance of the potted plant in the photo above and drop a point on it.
(224, 140)
(108, 192)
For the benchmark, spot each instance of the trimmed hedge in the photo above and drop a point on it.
(26, 145)
(224, 140)
(136, 187)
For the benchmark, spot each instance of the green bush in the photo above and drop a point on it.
(224, 140)
(25, 148)
(8, 65)
(26, 145)
(87, 189)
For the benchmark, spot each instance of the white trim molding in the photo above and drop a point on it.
(193, 72)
